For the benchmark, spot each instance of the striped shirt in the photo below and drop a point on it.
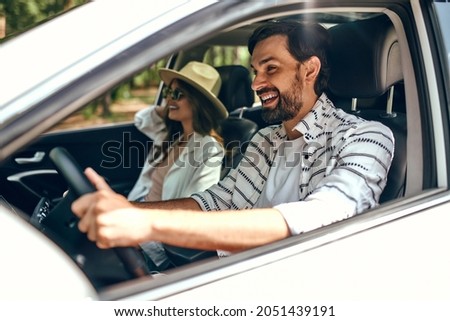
(341, 169)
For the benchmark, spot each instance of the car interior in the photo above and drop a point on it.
(367, 78)
(366, 72)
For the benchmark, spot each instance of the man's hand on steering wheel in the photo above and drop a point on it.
(99, 211)
(87, 208)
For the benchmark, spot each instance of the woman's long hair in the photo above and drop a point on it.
(204, 118)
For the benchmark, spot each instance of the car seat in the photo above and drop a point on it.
(366, 71)
(235, 92)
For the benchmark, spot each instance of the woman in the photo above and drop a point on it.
(187, 150)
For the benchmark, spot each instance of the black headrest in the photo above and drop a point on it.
(236, 131)
(364, 58)
(236, 88)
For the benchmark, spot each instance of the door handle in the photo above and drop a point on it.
(37, 157)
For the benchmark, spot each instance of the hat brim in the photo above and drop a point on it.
(168, 75)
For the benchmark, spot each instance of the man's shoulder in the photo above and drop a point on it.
(351, 119)
(354, 123)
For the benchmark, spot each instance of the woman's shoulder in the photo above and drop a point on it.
(202, 140)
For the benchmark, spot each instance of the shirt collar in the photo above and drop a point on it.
(314, 123)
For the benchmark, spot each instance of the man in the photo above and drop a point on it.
(319, 166)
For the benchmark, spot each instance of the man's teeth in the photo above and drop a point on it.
(267, 97)
(173, 107)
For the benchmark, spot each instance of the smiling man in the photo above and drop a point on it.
(319, 166)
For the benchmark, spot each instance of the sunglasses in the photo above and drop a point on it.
(175, 94)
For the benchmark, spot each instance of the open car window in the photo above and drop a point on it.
(384, 67)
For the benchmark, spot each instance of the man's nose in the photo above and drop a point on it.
(259, 81)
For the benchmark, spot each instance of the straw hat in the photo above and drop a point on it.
(201, 76)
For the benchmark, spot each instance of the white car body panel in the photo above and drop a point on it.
(379, 264)
(40, 270)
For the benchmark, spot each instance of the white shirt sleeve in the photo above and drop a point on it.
(151, 124)
(317, 210)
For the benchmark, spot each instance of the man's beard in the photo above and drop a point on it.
(289, 105)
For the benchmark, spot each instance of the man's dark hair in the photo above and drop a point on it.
(304, 41)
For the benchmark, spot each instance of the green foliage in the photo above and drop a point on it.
(89, 111)
(122, 92)
(23, 14)
(143, 79)
(220, 56)
(149, 77)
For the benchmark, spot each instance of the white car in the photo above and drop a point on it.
(390, 62)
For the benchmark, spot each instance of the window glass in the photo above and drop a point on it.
(120, 103)
(227, 55)
(443, 12)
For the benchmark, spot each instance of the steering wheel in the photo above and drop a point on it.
(61, 225)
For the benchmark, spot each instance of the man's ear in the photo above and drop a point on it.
(312, 67)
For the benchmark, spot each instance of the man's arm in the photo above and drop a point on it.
(224, 230)
(181, 204)
(111, 221)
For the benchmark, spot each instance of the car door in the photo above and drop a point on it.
(116, 151)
